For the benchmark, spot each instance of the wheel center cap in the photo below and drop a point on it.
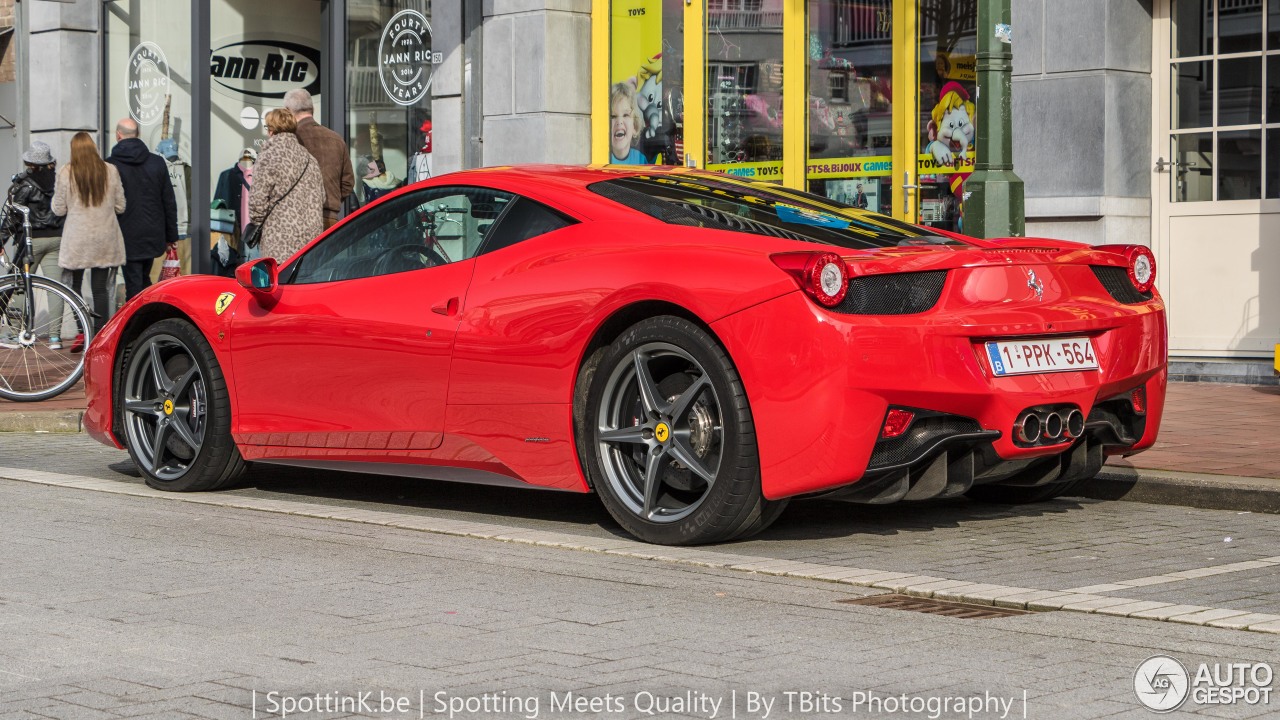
(662, 432)
(168, 407)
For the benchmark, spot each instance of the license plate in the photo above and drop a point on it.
(1018, 357)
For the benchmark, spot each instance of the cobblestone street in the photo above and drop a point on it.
(115, 605)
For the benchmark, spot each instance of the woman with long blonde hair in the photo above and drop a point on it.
(89, 193)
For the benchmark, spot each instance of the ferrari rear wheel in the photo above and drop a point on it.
(671, 444)
(176, 411)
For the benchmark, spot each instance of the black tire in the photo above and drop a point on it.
(175, 397)
(708, 474)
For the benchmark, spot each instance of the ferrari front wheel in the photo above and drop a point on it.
(176, 411)
(670, 440)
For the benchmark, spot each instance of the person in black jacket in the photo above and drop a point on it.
(150, 218)
(33, 188)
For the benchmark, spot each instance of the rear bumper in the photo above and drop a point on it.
(820, 383)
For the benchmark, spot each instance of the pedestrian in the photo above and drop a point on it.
(33, 188)
(89, 193)
(150, 222)
(287, 198)
(328, 148)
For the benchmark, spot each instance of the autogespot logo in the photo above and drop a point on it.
(1161, 683)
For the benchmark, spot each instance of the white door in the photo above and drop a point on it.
(1216, 174)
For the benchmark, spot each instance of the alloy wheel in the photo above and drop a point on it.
(660, 433)
(166, 406)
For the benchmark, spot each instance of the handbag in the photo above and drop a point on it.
(253, 231)
(171, 267)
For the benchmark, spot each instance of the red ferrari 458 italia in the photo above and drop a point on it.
(695, 348)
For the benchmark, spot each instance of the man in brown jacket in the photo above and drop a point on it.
(329, 150)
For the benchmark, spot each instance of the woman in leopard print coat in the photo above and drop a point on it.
(291, 215)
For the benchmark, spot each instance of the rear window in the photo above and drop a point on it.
(711, 202)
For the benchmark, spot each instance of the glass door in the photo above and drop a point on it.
(1215, 182)
(946, 125)
(744, 81)
(850, 77)
(390, 68)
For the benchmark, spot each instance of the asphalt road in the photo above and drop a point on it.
(123, 606)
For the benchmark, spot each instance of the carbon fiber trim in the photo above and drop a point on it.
(923, 433)
(893, 293)
(1117, 283)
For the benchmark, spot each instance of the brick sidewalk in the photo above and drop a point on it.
(1208, 428)
(1216, 429)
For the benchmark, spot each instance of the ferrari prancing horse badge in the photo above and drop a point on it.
(224, 301)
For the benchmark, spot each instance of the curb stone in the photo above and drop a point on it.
(1198, 490)
(42, 421)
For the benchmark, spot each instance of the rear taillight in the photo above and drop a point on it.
(1142, 264)
(822, 276)
(896, 422)
(1139, 399)
(1142, 268)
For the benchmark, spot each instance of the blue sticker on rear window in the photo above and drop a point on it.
(802, 216)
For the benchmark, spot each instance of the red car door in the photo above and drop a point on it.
(355, 353)
(357, 364)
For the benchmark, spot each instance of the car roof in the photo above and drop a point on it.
(577, 176)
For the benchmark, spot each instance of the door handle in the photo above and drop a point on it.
(1163, 165)
(448, 308)
(907, 186)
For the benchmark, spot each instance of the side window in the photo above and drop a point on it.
(423, 229)
(526, 219)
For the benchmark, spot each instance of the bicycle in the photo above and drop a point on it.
(32, 370)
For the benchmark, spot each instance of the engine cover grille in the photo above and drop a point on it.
(893, 293)
(1116, 281)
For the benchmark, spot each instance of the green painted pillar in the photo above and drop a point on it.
(994, 206)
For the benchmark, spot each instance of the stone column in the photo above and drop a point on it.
(1082, 117)
(63, 72)
(537, 81)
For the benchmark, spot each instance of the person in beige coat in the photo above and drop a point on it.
(287, 197)
(88, 192)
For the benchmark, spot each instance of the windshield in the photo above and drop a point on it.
(700, 200)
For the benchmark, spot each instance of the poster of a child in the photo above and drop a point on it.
(624, 126)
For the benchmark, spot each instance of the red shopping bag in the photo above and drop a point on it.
(170, 269)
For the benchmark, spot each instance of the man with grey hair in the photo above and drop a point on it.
(150, 218)
(329, 150)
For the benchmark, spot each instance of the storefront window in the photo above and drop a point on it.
(744, 87)
(148, 59)
(948, 126)
(646, 88)
(258, 52)
(390, 66)
(850, 71)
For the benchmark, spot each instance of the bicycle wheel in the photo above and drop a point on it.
(30, 370)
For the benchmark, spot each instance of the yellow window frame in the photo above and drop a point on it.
(795, 93)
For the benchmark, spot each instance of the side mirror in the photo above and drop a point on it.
(259, 276)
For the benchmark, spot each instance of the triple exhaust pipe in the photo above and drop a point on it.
(1051, 425)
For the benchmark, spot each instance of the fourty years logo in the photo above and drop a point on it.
(148, 83)
(404, 57)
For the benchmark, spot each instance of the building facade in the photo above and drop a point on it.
(1146, 121)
